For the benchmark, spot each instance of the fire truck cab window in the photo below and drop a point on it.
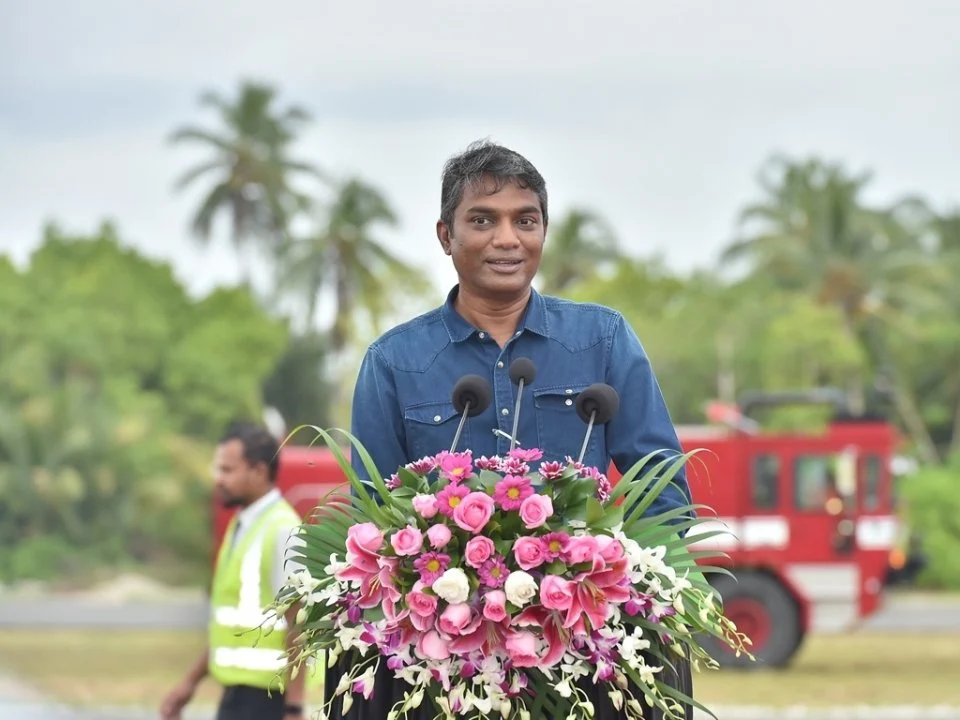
(765, 482)
(814, 482)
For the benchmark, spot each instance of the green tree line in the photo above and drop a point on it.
(115, 383)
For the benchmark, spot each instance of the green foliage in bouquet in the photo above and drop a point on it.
(494, 588)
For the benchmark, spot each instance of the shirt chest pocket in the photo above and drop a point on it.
(431, 427)
(559, 428)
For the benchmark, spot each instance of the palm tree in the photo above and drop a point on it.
(579, 244)
(346, 255)
(947, 229)
(814, 234)
(250, 164)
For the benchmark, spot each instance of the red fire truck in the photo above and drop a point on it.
(809, 519)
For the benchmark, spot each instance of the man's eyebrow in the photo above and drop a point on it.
(525, 210)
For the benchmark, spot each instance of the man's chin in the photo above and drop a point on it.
(229, 503)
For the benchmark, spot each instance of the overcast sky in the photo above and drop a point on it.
(656, 114)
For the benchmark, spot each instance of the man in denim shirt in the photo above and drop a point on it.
(493, 223)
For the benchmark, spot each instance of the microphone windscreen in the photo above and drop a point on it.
(522, 368)
(601, 399)
(471, 389)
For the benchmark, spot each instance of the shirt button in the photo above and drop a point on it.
(436, 418)
(505, 411)
(568, 391)
(568, 401)
(482, 335)
(500, 364)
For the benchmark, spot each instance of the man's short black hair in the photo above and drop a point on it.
(485, 159)
(259, 445)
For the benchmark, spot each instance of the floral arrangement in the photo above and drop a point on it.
(496, 586)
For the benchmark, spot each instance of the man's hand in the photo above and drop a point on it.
(176, 700)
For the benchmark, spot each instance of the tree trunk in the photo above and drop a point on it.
(955, 437)
(910, 414)
(855, 392)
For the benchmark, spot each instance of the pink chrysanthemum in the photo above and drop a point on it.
(551, 470)
(491, 463)
(431, 566)
(514, 466)
(493, 573)
(423, 466)
(576, 463)
(393, 482)
(553, 544)
(450, 497)
(526, 454)
(510, 492)
(603, 483)
(455, 467)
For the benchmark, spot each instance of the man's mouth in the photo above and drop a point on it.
(505, 262)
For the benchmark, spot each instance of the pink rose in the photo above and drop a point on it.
(495, 606)
(432, 646)
(408, 541)
(581, 548)
(474, 511)
(478, 550)
(426, 505)
(419, 602)
(457, 620)
(366, 536)
(556, 593)
(535, 510)
(522, 649)
(529, 552)
(439, 535)
(610, 548)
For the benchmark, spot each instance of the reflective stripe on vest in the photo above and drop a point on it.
(248, 645)
(248, 613)
(249, 658)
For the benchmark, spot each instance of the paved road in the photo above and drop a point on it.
(902, 614)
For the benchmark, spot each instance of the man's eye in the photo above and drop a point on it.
(481, 221)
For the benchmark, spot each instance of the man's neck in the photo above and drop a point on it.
(497, 317)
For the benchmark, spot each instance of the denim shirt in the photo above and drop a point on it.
(403, 410)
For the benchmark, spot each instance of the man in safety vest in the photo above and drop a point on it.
(251, 567)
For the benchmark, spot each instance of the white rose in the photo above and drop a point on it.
(520, 588)
(452, 586)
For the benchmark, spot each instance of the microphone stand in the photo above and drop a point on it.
(463, 421)
(586, 438)
(516, 414)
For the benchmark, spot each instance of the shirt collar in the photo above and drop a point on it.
(251, 511)
(534, 317)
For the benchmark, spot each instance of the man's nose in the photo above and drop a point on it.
(506, 236)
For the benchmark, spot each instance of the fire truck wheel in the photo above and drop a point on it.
(766, 613)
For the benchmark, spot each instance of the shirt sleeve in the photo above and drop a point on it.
(377, 419)
(643, 423)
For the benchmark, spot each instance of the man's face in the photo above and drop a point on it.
(237, 482)
(496, 240)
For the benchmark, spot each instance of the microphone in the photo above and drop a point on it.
(471, 396)
(596, 405)
(522, 372)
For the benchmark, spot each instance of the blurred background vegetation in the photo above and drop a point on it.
(115, 383)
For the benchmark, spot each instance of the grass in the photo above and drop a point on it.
(138, 668)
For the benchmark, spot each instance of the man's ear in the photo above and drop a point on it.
(443, 235)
